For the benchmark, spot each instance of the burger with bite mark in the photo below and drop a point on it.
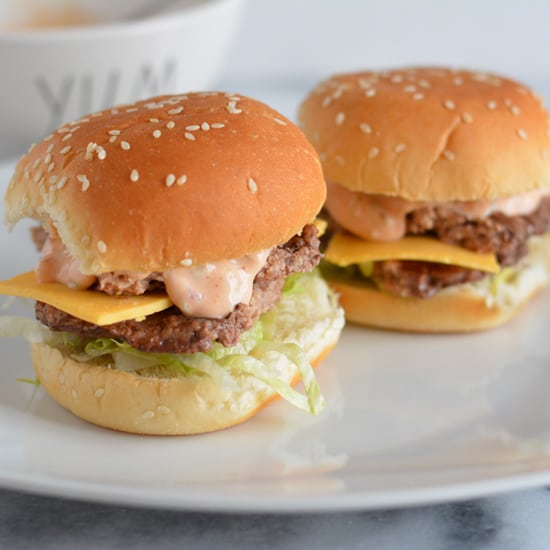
(176, 291)
(438, 195)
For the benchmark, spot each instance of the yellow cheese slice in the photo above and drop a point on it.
(92, 306)
(344, 250)
(321, 226)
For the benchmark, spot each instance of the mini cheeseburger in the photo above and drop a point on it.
(438, 195)
(175, 290)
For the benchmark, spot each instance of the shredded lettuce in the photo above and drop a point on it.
(267, 352)
(31, 381)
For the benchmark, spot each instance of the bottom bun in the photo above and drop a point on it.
(171, 404)
(132, 403)
(464, 308)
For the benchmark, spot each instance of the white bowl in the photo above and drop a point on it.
(50, 76)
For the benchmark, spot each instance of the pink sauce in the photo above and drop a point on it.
(210, 290)
(214, 289)
(58, 266)
(383, 218)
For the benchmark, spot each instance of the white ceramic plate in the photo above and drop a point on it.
(410, 419)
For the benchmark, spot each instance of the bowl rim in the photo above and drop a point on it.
(118, 28)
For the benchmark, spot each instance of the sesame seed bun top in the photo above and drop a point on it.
(174, 180)
(429, 134)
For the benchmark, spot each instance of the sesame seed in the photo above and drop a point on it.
(340, 160)
(399, 148)
(157, 134)
(221, 125)
(66, 137)
(187, 262)
(62, 182)
(326, 101)
(418, 96)
(53, 179)
(170, 180)
(424, 84)
(91, 147)
(114, 132)
(47, 138)
(132, 110)
(74, 394)
(371, 92)
(84, 181)
(124, 145)
(508, 102)
(112, 139)
(101, 153)
(37, 176)
(148, 414)
(154, 120)
(396, 78)
(51, 166)
(373, 153)
(491, 105)
(163, 409)
(176, 111)
(205, 126)
(515, 110)
(192, 127)
(522, 91)
(101, 246)
(170, 124)
(457, 81)
(189, 136)
(232, 108)
(365, 128)
(279, 121)
(252, 185)
(134, 175)
(50, 148)
(47, 159)
(181, 180)
(522, 133)
(409, 88)
(449, 104)
(364, 83)
(100, 392)
(467, 118)
(63, 130)
(449, 155)
(340, 117)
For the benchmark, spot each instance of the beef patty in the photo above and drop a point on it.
(504, 236)
(171, 331)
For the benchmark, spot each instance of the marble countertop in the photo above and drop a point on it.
(505, 522)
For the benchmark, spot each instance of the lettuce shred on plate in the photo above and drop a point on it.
(263, 352)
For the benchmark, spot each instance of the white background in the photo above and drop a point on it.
(285, 46)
